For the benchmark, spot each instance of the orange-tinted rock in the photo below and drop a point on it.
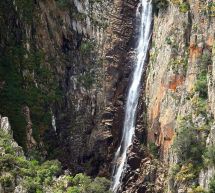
(195, 52)
(175, 81)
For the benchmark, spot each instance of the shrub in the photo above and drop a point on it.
(201, 85)
(174, 170)
(209, 155)
(153, 149)
(198, 189)
(212, 185)
(186, 173)
(6, 180)
(25, 9)
(87, 79)
(206, 60)
(95, 1)
(19, 90)
(176, 2)
(186, 145)
(168, 41)
(160, 4)
(199, 105)
(62, 3)
(87, 46)
(84, 184)
(210, 9)
(184, 7)
(34, 176)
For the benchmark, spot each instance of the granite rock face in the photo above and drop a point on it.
(181, 56)
(87, 48)
(80, 78)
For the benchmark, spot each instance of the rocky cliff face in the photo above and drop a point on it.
(64, 74)
(66, 60)
(179, 87)
(51, 56)
(175, 115)
(19, 174)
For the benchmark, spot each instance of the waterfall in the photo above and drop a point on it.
(144, 12)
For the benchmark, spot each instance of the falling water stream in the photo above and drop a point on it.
(144, 12)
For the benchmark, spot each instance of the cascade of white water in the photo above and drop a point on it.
(144, 11)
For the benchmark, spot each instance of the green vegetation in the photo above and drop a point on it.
(206, 60)
(88, 77)
(6, 180)
(84, 184)
(212, 185)
(183, 173)
(187, 145)
(199, 105)
(87, 47)
(160, 5)
(95, 1)
(101, 22)
(62, 3)
(184, 7)
(25, 79)
(153, 148)
(168, 41)
(201, 85)
(209, 156)
(176, 2)
(87, 80)
(187, 172)
(79, 16)
(198, 189)
(179, 63)
(34, 176)
(26, 10)
(211, 9)
(33, 173)
(20, 90)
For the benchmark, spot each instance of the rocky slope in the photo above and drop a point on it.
(64, 74)
(21, 175)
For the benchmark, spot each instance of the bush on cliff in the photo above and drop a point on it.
(201, 85)
(212, 185)
(209, 156)
(187, 145)
(38, 177)
(84, 184)
(184, 7)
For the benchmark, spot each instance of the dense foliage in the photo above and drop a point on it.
(37, 177)
(187, 145)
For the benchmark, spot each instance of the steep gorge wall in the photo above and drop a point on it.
(71, 63)
(180, 91)
(176, 113)
(52, 72)
(68, 64)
